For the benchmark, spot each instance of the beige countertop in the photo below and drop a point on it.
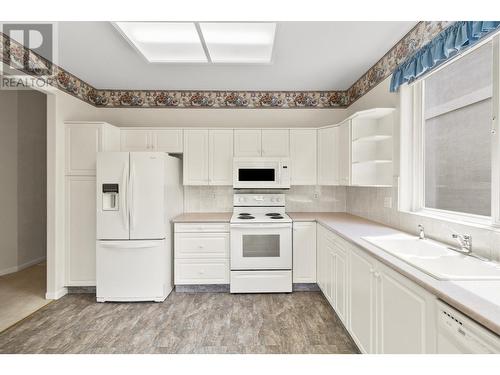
(480, 300)
(203, 217)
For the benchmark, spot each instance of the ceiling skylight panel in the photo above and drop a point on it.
(174, 42)
(239, 42)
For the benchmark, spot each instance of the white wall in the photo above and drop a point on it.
(8, 181)
(369, 202)
(215, 117)
(23, 176)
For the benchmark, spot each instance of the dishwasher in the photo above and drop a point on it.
(459, 334)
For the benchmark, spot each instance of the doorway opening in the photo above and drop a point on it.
(23, 204)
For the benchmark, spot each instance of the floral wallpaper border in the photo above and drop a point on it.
(22, 59)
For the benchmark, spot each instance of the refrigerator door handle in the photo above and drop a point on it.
(131, 197)
(123, 197)
(129, 244)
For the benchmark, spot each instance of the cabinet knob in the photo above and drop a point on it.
(200, 246)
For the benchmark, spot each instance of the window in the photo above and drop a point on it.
(448, 167)
(457, 135)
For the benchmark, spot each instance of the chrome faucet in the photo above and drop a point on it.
(465, 242)
(421, 233)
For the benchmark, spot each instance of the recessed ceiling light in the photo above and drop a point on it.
(239, 42)
(164, 41)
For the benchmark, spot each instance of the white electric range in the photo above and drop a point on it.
(261, 244)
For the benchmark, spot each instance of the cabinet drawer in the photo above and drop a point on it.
(201, 271)
(202, 245)
(201, 227)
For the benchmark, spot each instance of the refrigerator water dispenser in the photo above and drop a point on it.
(110, 197)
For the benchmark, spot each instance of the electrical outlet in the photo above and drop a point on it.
(388, 202)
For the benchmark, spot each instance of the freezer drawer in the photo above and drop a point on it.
(132, 271)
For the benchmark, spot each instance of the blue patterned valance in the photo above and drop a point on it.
(446, 44)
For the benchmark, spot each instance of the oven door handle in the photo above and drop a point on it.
(260, 226)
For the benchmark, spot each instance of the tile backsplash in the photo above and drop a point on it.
(371, 203)
(298, 198)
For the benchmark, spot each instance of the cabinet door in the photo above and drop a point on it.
(167, 140)
(344, 153)
(195, 160)
(136, 140)
(304, 252)
(320, 257)
(405, 315)
(80, 230)
(303, 156)
(340, 284)
(247, 142)
(327, 156)
(221, 157)
(82, 144)
(330, 274)
(275, 142)
(362, 301)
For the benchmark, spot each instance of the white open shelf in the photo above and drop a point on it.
(372, 144)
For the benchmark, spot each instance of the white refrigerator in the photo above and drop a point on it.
(137, 195)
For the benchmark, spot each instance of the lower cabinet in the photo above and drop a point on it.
(383, 311)
(361, 322)
(332, 271)
(304, 252)
(80, 228)
(405, 314)
(201, 253)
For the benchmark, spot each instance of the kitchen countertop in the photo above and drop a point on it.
(480, 300)
(203, 217)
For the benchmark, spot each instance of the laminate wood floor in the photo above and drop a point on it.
(301, 322)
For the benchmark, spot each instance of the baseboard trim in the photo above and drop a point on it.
(305, 287)
(21, 267)
(57, 294)
(81, 289)
(202, 288)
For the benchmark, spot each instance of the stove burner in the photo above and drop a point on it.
(246, 217)
(277, 217)
(273, 214)
(245, 214)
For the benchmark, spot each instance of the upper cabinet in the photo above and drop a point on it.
(220, 156)
(328, 163)
(262, 142)
(83, 141)
(372, 147)
(195, 160)
(166, 140)
(208, 157)
(275, 143)
(344, 152)
(247, 142)
(303, 156)
(136, 140)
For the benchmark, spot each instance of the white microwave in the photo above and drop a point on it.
(259, 172)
